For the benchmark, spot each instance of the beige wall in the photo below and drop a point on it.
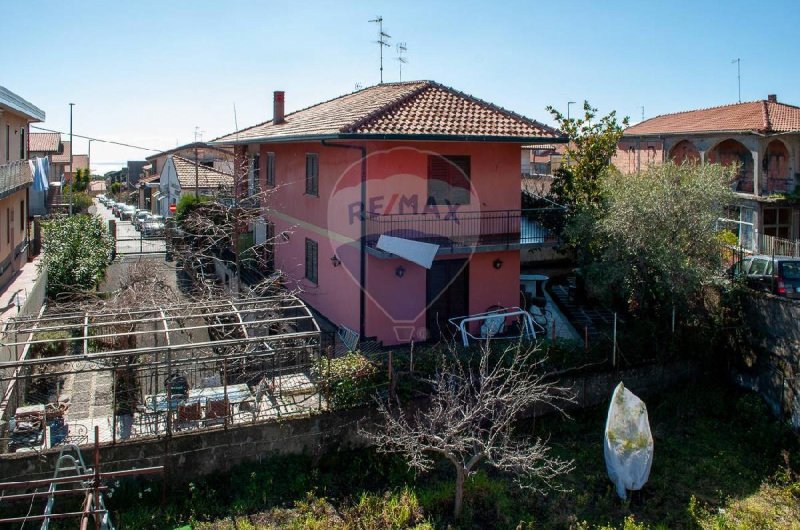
(12, 233)
(10, 126)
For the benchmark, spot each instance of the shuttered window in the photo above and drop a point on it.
(448, 179)
(312, 260)
(312, 174)
(270, 169)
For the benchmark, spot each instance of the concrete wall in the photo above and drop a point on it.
(192, 454)
(773, 367)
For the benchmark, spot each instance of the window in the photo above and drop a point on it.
(312, 253)
(312, 174)
(8, 142)
(778, 222)
(22, 215)
(758, 267)
(256, 174)
(270, 169)
(22, 144)
(9, 225)
(448, 179)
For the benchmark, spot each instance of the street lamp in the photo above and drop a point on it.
(568, 104)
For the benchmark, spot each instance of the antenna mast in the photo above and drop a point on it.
(382, 39)
(738, 62)
(401, 49)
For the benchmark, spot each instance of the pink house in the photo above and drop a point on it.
(395, 207)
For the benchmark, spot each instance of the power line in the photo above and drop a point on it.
(99, 140)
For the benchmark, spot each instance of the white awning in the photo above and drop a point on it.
(417, 252)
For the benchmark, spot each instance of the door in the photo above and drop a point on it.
(447, 295)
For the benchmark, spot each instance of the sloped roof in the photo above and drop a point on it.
(397, 110)
(151, 178)
(761, 116)
(207, 178)
(44, 142)
(15, 103)
(187, 147)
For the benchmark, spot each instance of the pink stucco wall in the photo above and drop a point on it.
(397, 172)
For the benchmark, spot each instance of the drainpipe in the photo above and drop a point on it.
(362, 275)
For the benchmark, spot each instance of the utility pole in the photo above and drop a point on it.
(71, 151)
(90, 157)
(196, 167)
(642, 112)
(738, 62)
(381, 42)
(568, 104)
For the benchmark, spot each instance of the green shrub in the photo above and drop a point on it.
(56, 346)
(75, 252)
(347, 381)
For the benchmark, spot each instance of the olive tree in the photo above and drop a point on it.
(470, 418)
(657, 233)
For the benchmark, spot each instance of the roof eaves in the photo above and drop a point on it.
(18, 104)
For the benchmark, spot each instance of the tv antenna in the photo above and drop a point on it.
(382, 39)
(401, 49)
(358, 87)
(198, 133)
(738, 62)
(642, 112)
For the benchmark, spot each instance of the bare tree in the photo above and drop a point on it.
(470, 420)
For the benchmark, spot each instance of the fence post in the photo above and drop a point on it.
(614, 345)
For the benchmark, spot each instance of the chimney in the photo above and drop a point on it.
(772, 98)
(277, 107)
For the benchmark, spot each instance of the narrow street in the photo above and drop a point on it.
(129, 240)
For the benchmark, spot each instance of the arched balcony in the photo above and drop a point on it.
(776, 168)
(730, 152)
(684, 152)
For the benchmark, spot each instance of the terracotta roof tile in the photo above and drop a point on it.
(408, 108)
(44, 142)
(207, 178)
(760, 116)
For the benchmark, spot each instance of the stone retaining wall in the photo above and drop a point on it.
(196, 453)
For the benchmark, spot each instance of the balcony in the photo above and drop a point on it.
(464, 231)
(14, 176)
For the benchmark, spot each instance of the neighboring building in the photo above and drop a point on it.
(541, 160)
(179, 176)
(148, 186)
(60, 164)
(44, 145)
(215, 157)
(16, 178)
(762, 136)
(135, 170)
(97, 187)
(435, 169)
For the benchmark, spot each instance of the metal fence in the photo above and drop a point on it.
(456, 228)
(776, 246)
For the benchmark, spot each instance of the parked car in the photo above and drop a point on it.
(101, 198)
(775, 274)
(115, 207)
(154, 226)
(126, 212)
(139, 218)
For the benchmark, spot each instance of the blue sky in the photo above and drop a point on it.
(148, 72)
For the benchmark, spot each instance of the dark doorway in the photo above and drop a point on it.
(447, 295)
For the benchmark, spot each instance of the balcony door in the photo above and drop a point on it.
(447, 295)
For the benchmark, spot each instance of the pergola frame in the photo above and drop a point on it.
(269, 336)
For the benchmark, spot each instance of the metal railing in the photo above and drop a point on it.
(455, 228)
(776, 246)
(14, 175)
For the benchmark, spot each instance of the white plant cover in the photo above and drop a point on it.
(628, 441)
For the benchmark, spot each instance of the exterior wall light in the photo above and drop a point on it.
(400, 271)
(498, 263)
(336, 261)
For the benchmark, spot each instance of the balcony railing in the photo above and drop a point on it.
(452, 229)
(15, 175)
